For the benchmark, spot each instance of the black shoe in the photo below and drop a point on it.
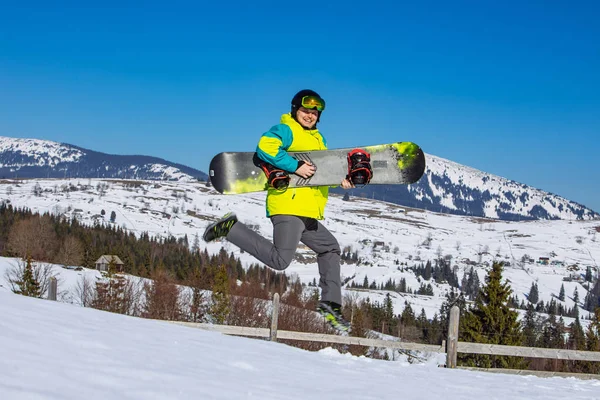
(220, 228)
(332, 312)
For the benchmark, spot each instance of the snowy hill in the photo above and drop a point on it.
(389, 239)
(52, 350)
(33, 158)
(446, 186)
(453, 188)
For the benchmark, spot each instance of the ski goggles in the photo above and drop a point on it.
(311, 102)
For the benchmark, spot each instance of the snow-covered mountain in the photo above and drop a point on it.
(446, 186)
(34, 158)
(453, 188)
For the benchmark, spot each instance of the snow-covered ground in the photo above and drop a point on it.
(51, 350)
(388, 237)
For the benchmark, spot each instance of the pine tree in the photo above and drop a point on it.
(534, 294)
(391, 321)
(592, 337)
(196, 244)
(473, 284)
(408, 316)
(530, 327)
(28, 285)
(561, 294)
(490, 320)
(427, 274)
(221, 302)
(576, 336)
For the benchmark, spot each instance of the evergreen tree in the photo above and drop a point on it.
(28, 285)
(427, 273)
(473, 285)
(490, 320)
(390, 320)
(550, 337)
(221, 302)
(408, 316)
(530, 327)
(592, 299)
(576, 336)
(588, 274)
(534, 294)
(196, 244)
(592, 337)
(561, 294)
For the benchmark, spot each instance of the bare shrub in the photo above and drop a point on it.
(162, 297)
(70, 252)
(33, 237)
(298, 313)
(249, 306)
(116, 293)
(196, 298)
(85, 292)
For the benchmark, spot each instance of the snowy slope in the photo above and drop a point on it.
(389, 238)
(52, 350)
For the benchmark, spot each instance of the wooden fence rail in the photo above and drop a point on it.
(313, 337)
(533, 352)
(451, 348)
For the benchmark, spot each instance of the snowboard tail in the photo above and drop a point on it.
(395, 163)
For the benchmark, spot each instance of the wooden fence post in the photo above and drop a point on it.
(452, 343)
(274, 317)
(52, 289)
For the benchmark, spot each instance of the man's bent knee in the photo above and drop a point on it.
(280, 263)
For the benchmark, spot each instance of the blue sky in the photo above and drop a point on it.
(511, 88)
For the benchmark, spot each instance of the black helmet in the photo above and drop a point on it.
(297, 102)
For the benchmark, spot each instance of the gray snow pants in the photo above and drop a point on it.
(288, 231)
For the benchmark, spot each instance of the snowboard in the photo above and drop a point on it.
(394, 163)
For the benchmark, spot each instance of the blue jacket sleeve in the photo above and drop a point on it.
(272, 148)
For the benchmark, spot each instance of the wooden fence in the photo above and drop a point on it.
(452, 347)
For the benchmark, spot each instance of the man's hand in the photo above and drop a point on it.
(306, 170)
(347, 184)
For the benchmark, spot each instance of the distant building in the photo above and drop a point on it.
(103, 262)
(544, 260)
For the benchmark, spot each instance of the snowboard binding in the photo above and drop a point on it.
(276, 178)
(359, 167)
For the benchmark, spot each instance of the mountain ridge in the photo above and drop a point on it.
(446, 186)
(37, 158)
